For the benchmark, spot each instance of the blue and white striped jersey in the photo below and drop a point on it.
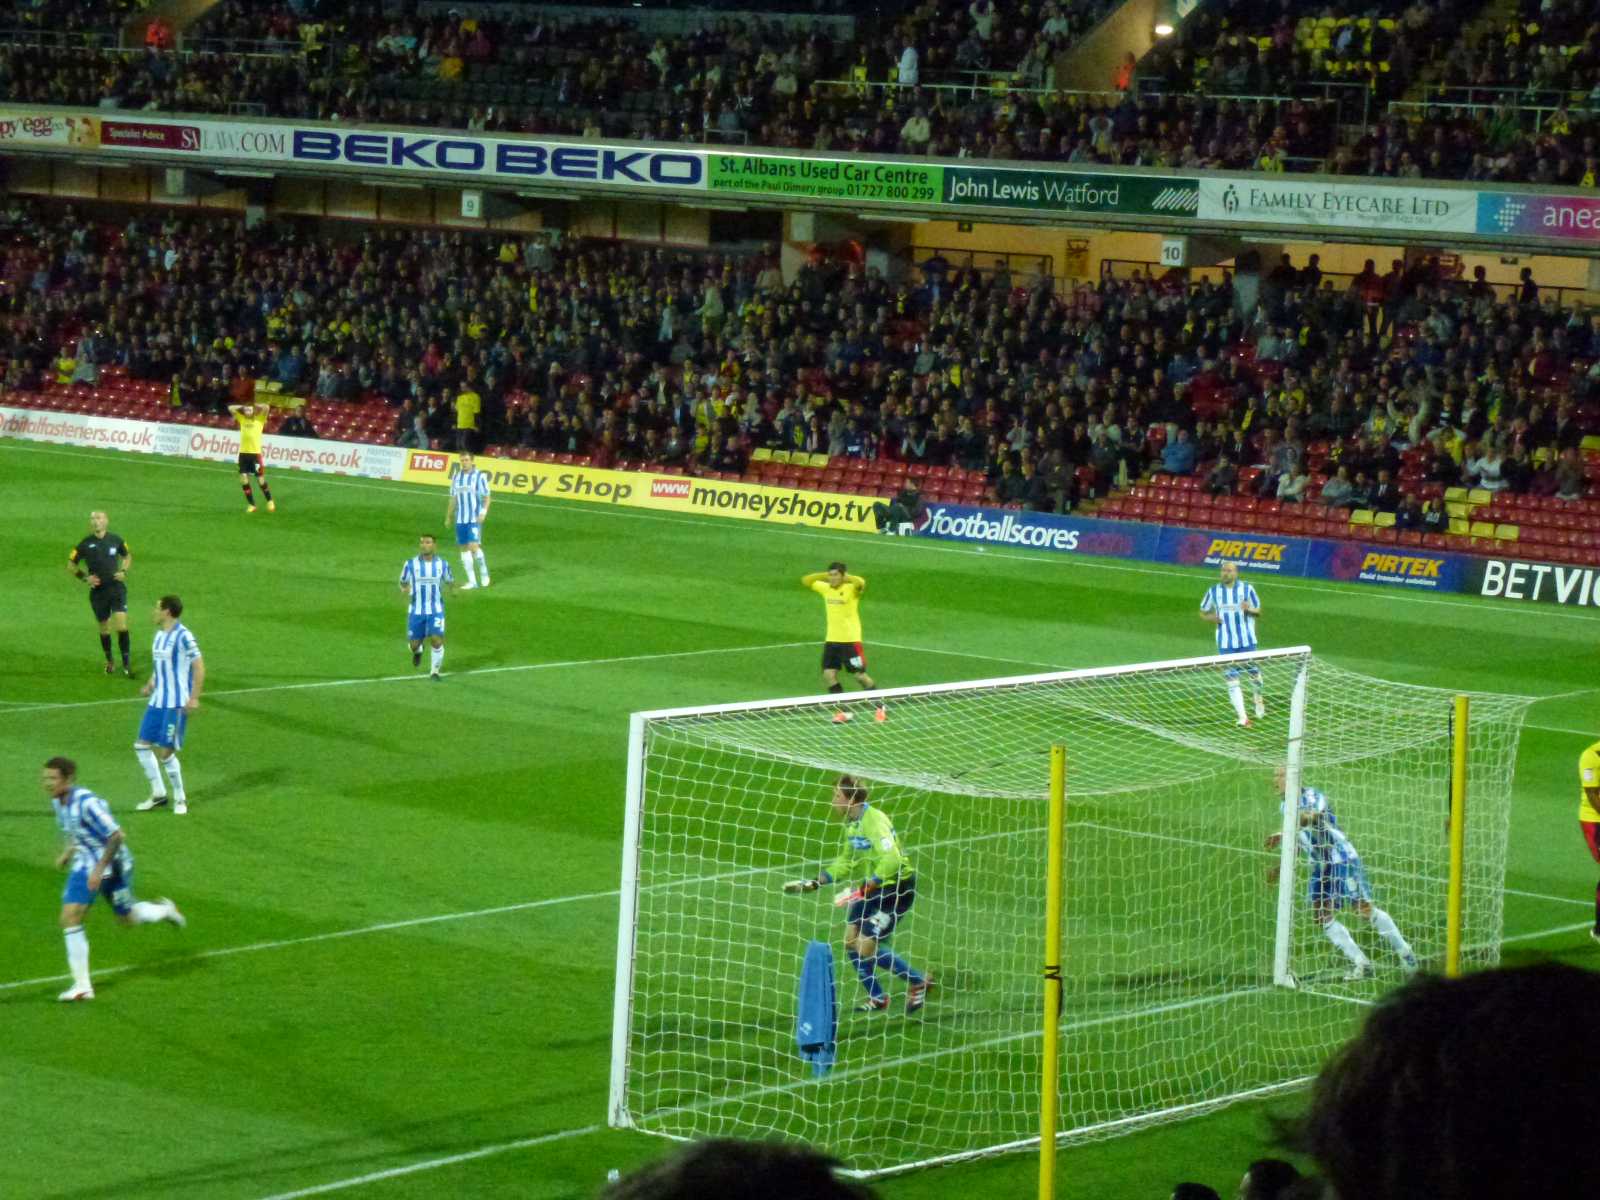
(1321, 840)
(1237, 629)
(469, 490)
(173, 654)
(427, 577)
(88, 824)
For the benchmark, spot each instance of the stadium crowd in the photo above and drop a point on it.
(1236, 88)
(626, 354)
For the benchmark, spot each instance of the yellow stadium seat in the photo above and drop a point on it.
(782, 456)
(762, 454)
(1383, 520)
(1457, 509)
(1361, 516)
(1455, 494)
(1507, 533)
(1481, 529)
(1388, 23)
(1457, 525)
(814, 460)
(1479, 496)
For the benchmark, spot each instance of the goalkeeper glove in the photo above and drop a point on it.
(800, 885)
(847, 896)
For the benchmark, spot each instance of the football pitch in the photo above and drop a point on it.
(402, 895)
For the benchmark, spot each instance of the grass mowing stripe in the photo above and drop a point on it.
(925, 544)
(467, 915)
(332, 683)
(434, 1164)
(528, 1143)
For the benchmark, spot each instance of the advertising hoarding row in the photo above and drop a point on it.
(1287, 202)
(1341, 561)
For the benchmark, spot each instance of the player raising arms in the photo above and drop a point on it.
(1337, 881)
(1233, 606)
(423, 580)
(98, 863)
(252, 420)
(468, 509)
(177, 673)
(841, 598)
(873, 906)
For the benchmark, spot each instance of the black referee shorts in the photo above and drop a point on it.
(108, 598)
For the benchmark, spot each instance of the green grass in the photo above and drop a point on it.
(283, 1043)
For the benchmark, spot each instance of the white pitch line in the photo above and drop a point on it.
(433, 1164)
(1537, 934)
(333, 683)
(921, 545)
(331, 936)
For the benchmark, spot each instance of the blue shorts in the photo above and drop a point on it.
(418, 628)
(116, 885)
(880, 912)
(1233, 672)
(468, 532)
(163, 727)
(1339, 885)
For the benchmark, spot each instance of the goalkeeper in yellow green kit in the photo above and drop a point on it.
(880, 888)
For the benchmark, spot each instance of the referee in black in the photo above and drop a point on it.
(101, 560)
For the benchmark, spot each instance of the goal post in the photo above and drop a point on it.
(1186, 982)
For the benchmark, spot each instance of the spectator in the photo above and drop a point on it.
(732, 1170)
(1338, 492)
(1461, 1088)
(1292, 487)
(1408, 517)
(297, 425)
(1268, 1179)
(1178, 455)
(1385, 495)
(1222, 478)
(908, 72)
(1569, 476)
(1434, 517)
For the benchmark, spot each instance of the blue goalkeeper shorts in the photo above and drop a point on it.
(879, 913)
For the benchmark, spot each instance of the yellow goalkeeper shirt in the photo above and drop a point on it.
(1588, 777)
(843, 606)
(871, 850)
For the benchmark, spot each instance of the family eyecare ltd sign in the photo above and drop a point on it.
(1285, 201)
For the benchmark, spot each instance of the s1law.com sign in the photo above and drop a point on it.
(1547, 583)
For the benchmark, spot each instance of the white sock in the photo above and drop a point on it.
(438, 658)
(175, 777)
(147, 912)
(1236, 697)
(483, 565)
(78, 956)
(1340, 937)
(152, 770)
(1390, 932)
(466, 566)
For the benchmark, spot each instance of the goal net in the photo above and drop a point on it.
(1189, 980)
